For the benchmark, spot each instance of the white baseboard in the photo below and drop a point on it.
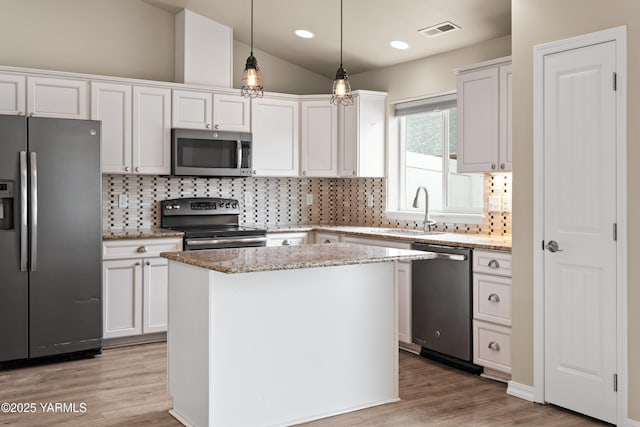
(521, 391)
(632, 423)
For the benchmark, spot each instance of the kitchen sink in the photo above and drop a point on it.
(407, 232)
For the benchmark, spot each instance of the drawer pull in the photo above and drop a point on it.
(327, 241)
(142, 249)
(286, 243)
(494, 264)
(494, 298)
(494, 346)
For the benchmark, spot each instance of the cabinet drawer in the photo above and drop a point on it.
(143, 248)
(492, 262)
(492, 346)
(286, 239)
(492, 298)
(327, 237)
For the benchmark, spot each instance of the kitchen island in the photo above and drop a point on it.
(282, 335)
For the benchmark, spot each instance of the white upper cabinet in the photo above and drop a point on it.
(151, 130)
(191, 109)
(111, 103)
(484, 118)
(319, 137)
(231, 112)
(61, 98)
(274, 124)
(13, 94)
(361, 136)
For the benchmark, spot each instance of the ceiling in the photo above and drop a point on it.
(369, 26)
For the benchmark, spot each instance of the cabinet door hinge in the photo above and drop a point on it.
(615, 382)
(615, 231)
(615, 81)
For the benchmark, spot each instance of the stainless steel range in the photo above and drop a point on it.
(209, 223)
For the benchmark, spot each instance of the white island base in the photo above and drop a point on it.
(280, 347)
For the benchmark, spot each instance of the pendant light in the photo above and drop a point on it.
(252, 76)
(341, 93)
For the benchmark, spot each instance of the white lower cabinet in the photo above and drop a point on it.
(135, 280)
(492, 312)
(287, 239)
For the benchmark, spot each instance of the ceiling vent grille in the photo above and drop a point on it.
(438, 29)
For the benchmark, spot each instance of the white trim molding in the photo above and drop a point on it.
(619, 35)
(521, 391)
(632, 423)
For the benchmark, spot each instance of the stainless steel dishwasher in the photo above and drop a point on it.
(442, 306)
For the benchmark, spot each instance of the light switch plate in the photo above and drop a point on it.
(506, 204)
(309, 199)
(495, 203)
(123, 201)
(248, 199)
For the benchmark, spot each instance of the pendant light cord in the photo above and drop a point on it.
(340, 32)
(252, 27)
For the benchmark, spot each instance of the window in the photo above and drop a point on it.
(427, 156)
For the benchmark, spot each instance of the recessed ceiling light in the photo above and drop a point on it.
(397, 44)
(304, 34)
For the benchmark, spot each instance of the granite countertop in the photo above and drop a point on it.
(139, 233)
(246, 260)
(478, 241)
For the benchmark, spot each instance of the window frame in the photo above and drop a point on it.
(396, 178)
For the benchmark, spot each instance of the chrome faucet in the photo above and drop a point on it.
(427, 222)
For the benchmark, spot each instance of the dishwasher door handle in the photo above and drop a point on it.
(451, 257)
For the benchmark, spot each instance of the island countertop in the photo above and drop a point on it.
(245, 260)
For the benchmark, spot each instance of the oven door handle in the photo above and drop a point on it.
(202, 242)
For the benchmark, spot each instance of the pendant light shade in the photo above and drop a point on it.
(341, 91)
(252, 76)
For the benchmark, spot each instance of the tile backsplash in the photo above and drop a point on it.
(280, 201)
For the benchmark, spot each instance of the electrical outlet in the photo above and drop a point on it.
(370, 200)
(123, 201)
(506, 204)
(495, 203)
(248, 199)
(309, 199)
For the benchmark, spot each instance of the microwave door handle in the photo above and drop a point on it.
(239, 153)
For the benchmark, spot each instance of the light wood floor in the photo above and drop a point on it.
(127, 386)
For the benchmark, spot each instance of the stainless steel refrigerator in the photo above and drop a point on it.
(50, 237)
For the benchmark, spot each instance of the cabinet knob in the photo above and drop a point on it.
(208, 125)
(502, 166)
(254, 171)
(286, 243)
(494, 346)
(30, 114)
(494, 264)
(148, 263)
(304, 173)
(353, 173)
(217, 126)
(327, 241)
(20, 113)
(142, 249)
(494, 298)
(493, 166)
(126, 168)
(137, 168)
(138, 263)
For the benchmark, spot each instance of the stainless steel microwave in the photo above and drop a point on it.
(210, 153)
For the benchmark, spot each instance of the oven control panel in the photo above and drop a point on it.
(200, 206)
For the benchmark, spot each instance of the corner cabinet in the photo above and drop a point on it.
(319, 137)
(134, 282)
(274, 124)
(361, 135)
(484, 117)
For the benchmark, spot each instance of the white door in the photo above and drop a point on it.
(51, 97)
(155, 289)
(191, 110)
(122, 297)
(231, 112)
(319, 138)
(579, 214)
(13, 94)
(111, 103)
(151, 130)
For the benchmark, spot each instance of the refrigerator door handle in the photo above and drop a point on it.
(34, 211)
(24, 228)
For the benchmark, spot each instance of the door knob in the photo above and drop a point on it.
(552, 246)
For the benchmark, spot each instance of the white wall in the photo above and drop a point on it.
(122, 38)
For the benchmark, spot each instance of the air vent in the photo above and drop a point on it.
(441, 28)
